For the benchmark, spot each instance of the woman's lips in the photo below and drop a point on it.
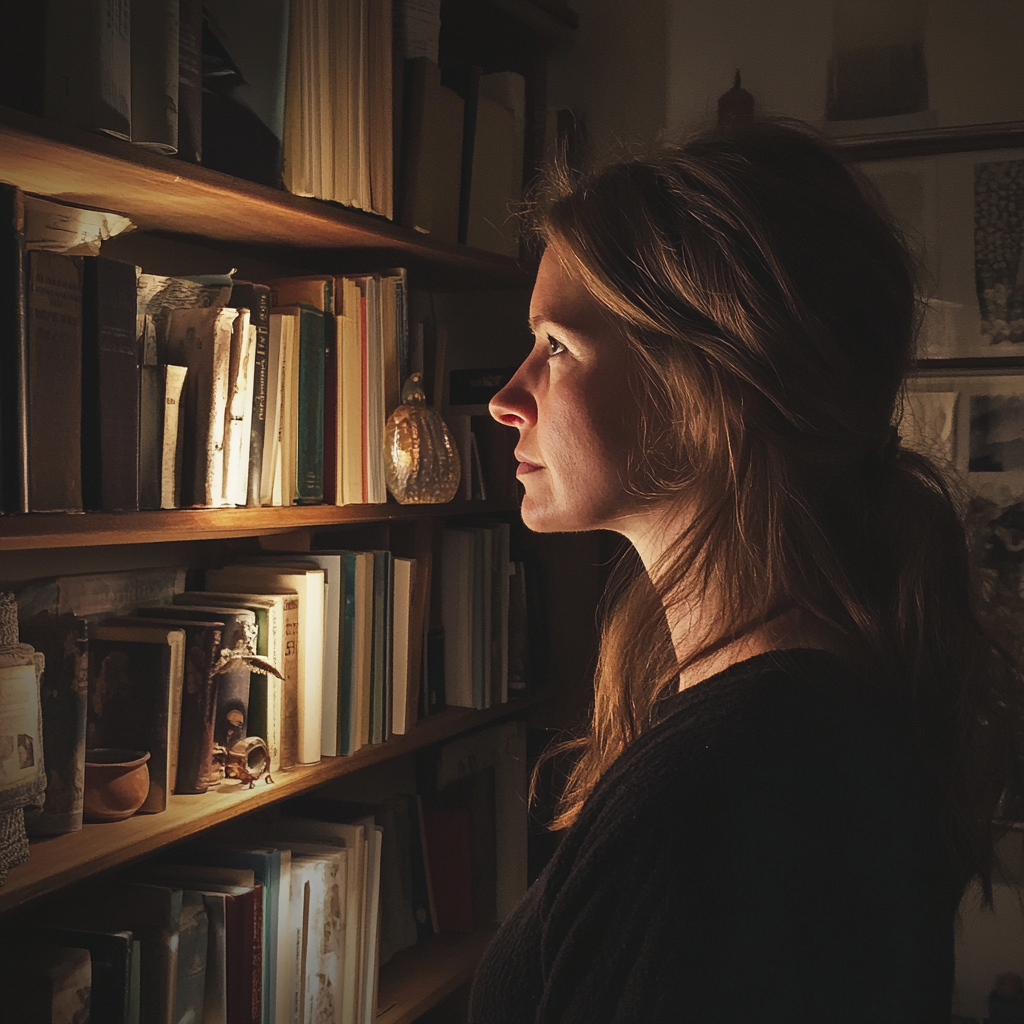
(525, 466)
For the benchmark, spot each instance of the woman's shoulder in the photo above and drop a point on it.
(786, 719)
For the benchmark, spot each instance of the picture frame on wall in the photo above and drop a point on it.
(972, 423)
(958, 195)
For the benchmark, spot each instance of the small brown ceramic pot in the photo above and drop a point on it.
(116, 783)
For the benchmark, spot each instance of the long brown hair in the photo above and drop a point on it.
(771, 310)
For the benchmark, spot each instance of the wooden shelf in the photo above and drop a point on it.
(162, 194)
(421, 976)
(88, 529)
(61, 860)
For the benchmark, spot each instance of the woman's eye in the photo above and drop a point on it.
(554, 346)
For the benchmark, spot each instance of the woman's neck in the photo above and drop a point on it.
(692, 622)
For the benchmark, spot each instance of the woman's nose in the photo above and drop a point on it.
(514, 405)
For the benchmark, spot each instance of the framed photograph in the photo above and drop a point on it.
(958, 194)
(973, 423)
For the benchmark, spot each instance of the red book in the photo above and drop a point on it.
(450, 850)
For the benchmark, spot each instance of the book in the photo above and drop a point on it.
(309, 415)
(200, 338)
(380, 675)
(277, 617)
(350, 461)
(271, 870)
(152, 913)
(193, 947)
(457, 613)
(238, 633)
(256, 298)
(13, 353)
(450, 846)
(432, 152)
(244, 111)
(402, 640)
(284, 480)
(238, 410)
(190, 80)
(276, 346)
(332, 566)
(63, 642)
(111, 955)
(155, 62)
(135, 694)
(88, 65)
(160, 436)
(54, 382)
(200, 684)
(48, 983)
(309, 639)
(110, 385)
(319, 293)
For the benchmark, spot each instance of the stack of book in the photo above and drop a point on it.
(124, 390)
(290, 922)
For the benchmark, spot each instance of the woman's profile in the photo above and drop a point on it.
(801, 732)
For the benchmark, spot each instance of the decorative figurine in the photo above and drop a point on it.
(421, 462)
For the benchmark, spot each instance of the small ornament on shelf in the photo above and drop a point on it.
(421, 462)
(735, 107)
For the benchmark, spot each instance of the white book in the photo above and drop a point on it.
(171, 449)
(201, 340)
(309, 585)
(237, 424)
(457, 557)
(272, 441)
(375, 401)
(355, 839)
(402, 589)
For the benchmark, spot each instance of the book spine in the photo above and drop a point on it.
(244, 946)
(171, 440)
(190, 81)
(110, 386)
(151, 434)
(13, 353)
(260, 314)
(55, 382)
(198, 710)
(309, 470)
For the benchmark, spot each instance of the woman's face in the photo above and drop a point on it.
(575, 411)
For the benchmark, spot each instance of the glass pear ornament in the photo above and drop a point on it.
(421, 462)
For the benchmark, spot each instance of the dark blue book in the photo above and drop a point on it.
(309, 456)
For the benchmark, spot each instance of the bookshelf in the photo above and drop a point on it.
(170, 202)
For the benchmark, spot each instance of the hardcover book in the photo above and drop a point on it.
(256, 298)
(110, 386)
(198, 694)
(54, 382)
(13, 353)
(135, 691)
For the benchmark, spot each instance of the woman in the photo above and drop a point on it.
(800, 733)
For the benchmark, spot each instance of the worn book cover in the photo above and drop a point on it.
(238, 410)
(239, 633)
(135, 690)
(54, 382)
(110, 386)
(198, 694)
(111, 954)
(63, 641)
(152, 913)
(256, 298)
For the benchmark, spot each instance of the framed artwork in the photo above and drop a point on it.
(958, 194)
(973, 422)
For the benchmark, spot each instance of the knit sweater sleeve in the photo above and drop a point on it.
(758, 856)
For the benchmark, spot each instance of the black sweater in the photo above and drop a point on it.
(768, 851)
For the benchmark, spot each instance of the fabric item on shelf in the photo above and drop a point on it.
(23, 784)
